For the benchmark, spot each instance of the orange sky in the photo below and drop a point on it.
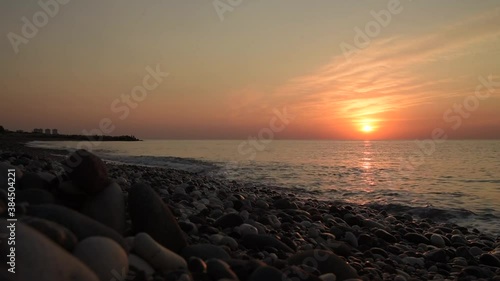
(426, 69)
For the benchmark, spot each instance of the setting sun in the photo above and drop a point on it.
(367, 128)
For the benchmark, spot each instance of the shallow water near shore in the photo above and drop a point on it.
(456, 181)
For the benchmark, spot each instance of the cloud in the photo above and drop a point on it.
(391, 74)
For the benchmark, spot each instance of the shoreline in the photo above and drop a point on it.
(375, 244)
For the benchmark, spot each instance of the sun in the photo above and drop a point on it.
(367, 128)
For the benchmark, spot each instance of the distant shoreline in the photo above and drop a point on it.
(24, 137)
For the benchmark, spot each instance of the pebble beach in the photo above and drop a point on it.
(80, 218)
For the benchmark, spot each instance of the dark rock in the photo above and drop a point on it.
(150, 215)
(204, 251)
(475, 271)
(296, 273)
(35, 196)
(266, 273)
(416, 238)
(81, 225)
(55, 232)
(217, 269)
(284, 203)
(379, 251)
(229, 220)
(102, 255)
(107, 207)
(196, 265)
(38, 258)
(326, 262)
(437, 255)
(87, 171)
(260, 242)
(489, 259)
(244, 268)
(463, 252)
(386, 236)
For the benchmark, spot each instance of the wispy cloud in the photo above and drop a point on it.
(392, 74)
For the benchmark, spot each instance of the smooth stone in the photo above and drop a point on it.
(138, 264)
(196, 265)
(327, 262)
(38, 258)
(414, 261)
(230, 242)
(437, 255)
(284, 203)
(159, 257)
(475, 251)
(437, 240)
(328, 277)
(104, 256)
(416, 238)
(87, 171)
(217, 270)
(489, 259)
(229, 220)
(150, 215)
(107, 207)
(81, 225)
(266, 273)
(35, 196)
(54, 231)
(297, 273)
(274, 221)
(259, 242)
(204, 251)
(351, 239)
(246, 229)
(458, 239)
(386, 236)
(261, 204)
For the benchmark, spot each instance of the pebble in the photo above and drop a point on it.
(437, 240)
(46, 260)
(55, 232)
(351, 239)
(150, 215)
(327, 262)
(107, 207)
(159, 257)
(489, 259)
(246, 229)
(266, 273)
(87, 171)
(416, 238)
(218, 269)
(204, 251)
(80, 225)
(229, 221)
(138, 264)
(258, 241)
(103, 255)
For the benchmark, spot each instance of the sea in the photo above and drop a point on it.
(454, 181)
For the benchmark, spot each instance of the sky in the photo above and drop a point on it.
(224, 69)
